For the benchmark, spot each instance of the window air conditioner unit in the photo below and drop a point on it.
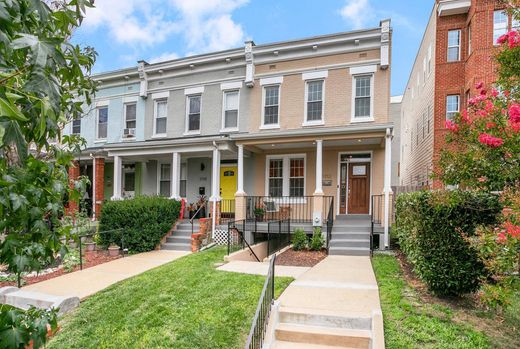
(129, 132)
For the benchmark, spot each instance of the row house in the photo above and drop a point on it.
(456, 52)
(302, 121)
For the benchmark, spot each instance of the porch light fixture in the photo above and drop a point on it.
(160, 71)
(356, 42)
(192, 66)
(314, 47)
(360, 140)
(228, 60)
(275, 53)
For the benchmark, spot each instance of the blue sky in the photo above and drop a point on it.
(124, 31)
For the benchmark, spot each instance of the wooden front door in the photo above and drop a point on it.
(358, 188)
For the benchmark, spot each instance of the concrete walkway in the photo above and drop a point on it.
(333, 305)
(88, 281)
(257, 268)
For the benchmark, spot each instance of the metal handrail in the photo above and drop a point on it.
(101, 232)
(196, 213)
(256, 336)
(243, 239)
(330, 222)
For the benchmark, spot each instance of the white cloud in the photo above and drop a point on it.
(357, 12)
(166, 56)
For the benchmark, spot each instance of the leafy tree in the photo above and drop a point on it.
(44, 82)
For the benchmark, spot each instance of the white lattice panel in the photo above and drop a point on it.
(220, 237)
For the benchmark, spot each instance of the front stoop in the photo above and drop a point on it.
(336, 337)
(351, 236)
(180, 238)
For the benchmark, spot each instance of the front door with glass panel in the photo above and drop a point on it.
(358, 188)
(228, 188)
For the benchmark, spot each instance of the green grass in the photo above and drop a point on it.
(183, 304)
(412, 323)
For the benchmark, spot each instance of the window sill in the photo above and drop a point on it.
(270, 127)
(228, 130)
(313, 123)
(102, 140)
(191, 133)
(127, 139)
(159, 135)
(359, 119)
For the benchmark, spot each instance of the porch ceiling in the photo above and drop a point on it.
(326, 143)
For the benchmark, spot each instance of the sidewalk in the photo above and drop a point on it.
(88, 281)
(261, 268)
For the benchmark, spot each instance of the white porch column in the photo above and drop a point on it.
(215, 188)
(240, 184)
(175, 174)
(387, 188)
(319, 167)
(118, 162)
(94, 170)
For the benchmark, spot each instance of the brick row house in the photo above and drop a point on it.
(455, 54)
(303, 121)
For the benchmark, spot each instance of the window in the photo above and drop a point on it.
(76, 126)
(417, 133)
(411, 140)
(424, 122)
(515, 25)
(271, 104)
(363, 96)
(314, 101)
(161, 107)
(499, 25)
(429, 59)
(469, 39)
(424, 70)
(102, 122)
(430, 117)
(194, 113)
(453, 45)
(164, 180)
(452, 106)
(231, 100)
(286, 176)
(130, 114)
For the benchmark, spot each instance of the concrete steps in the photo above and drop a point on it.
(324, 318)
(329, 336)
(180, 239)
(351, 236)
(292, 345)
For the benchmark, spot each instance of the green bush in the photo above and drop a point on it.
(432, 228)
(71, 260)
(299, 239)
(317, 241)
(144, 221)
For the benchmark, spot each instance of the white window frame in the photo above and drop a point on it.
(126, 104)
(353, 118)
(322, 120)
(429, 60)
(188, 132)
(286, 172)
(223, 127)
(469, 40)
(424, 71)
(271, 126)
(452, 111)
(457, 46)
(159, 168)
(503, 27)
(155, 103)
(98, 139)
(72, 127)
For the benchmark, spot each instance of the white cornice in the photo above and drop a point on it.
(453, 7)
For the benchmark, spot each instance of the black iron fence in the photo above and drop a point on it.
(330, 221)
(236, 239)
(256, 336)
(268, 208)
(227, 209)
(90, 236)
(278, 235)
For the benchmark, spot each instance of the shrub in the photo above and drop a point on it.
(71, 260)
(299, 239)
(433, 227)
(144, 221)
(317, 241)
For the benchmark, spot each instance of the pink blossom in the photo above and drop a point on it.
(479, 85)
(489, 106)
(450, 125)
(502, 39)
(489, 140)
(490, 125)
(512, 229)
(514, 113)
(501, 237)
(482, 113)
(494, 92)
(465, 116)
(482, 179)
(514, 125)
(483, 92)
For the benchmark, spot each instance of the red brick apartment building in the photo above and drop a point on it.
(456, 52)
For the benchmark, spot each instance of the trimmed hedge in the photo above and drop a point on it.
(144, 219)
(431, 227)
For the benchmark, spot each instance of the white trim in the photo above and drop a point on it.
(275, 80)
(314, 122)
(365, 69)
(125, 104)
(286, 172)
(97, 139)
(154, 131)
(322, 74)
(353, 118)
(188, 132)
(130, 99)
(263, 126)
(223, 125)
(458, 46)
(194, 90)
(364, 160)
(235, 85)
(161, 95)
(158, 188)
(102, 103)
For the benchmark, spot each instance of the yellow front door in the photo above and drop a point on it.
(228, 187)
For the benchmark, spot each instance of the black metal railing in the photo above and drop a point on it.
(278, 235)
(90, 235)
(376, 215)
(203, 205)
(256, 336)
(330, 221)
(227, 210)
(268, 208)
(236, 239)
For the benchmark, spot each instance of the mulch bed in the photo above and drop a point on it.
(90, 259)
(300, 258)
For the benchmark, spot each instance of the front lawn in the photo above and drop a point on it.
(183, 304)
(413, 318)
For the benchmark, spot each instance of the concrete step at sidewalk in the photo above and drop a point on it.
(359, 339)
(324, 318)
(350, 242)
(351, 236)
(179, 239)
(349, 251)
(176, 246)
(292, 345)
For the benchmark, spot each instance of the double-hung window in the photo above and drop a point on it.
(429, 59)
(130, 119)
(194, 113)
(453, 45)
(314, 100)
(271, 105)
(363, 96)
(469, 39)
(164, 180)
(452, 106)
(76, 126)
(500, 22)
(231, 101)
(160, 117)
(286, 176)
(102, 122)
(515, 24)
